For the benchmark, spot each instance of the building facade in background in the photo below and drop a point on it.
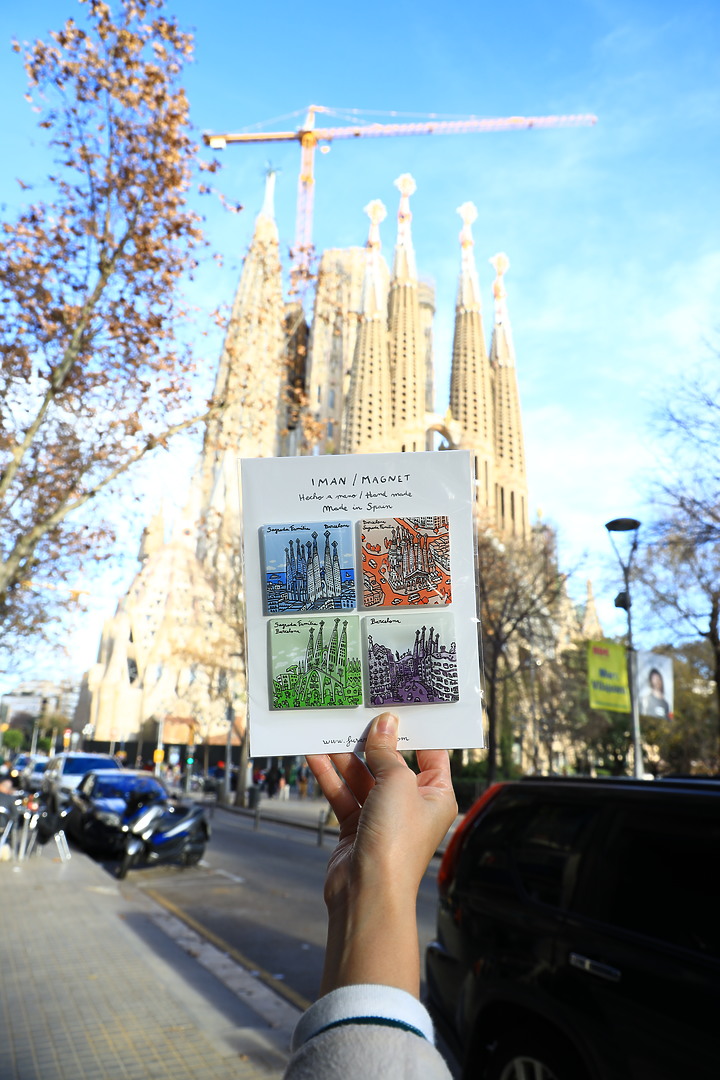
(357, 377)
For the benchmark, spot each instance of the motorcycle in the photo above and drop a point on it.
(157, 831)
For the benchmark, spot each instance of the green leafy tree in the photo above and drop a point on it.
(13, 739)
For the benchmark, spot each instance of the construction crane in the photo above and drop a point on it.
(309, 136)
(74, 594)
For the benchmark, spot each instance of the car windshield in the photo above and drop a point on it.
(111, 787)
(39, 766)
(79, 766)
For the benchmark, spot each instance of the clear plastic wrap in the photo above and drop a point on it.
(359, 576)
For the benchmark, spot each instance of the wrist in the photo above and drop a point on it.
(372, 938)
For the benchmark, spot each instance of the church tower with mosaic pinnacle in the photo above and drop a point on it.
(407, 369)
(382, 401)
(471, 400)
(368, 417)
(511, 497)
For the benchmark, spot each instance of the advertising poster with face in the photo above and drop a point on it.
(655, 688)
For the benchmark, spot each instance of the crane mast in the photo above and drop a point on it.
(309, 136)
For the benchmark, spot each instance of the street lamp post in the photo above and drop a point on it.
(227, 778)
(622, 600)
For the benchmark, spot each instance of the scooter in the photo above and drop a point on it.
(158, 831)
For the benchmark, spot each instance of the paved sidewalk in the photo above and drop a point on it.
(92, 989)
(98, 983)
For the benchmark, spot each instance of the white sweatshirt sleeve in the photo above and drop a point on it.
(361, 1031)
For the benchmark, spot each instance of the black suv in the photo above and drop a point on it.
(579, 932)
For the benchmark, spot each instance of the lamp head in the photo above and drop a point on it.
(622, 525)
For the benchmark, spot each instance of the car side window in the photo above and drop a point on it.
(548, 849)
(659, 877)
(486, 863)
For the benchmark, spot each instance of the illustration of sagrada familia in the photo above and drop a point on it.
(306, 584)
(327, 676)
(357, 377)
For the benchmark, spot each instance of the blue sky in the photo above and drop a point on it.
(613, 232)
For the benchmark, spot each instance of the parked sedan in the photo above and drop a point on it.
(31, 777)
(94, 817)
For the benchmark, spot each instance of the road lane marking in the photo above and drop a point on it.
(226, 874)
(227, 960)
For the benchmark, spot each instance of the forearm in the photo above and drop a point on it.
(373, 939)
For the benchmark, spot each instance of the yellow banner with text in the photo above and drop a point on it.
(608, 676)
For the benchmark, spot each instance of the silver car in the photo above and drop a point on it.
(31, 777)
(65, 771)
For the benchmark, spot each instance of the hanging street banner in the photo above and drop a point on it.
(608, 677)
(655, 687)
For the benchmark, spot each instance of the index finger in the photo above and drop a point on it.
(436, 761)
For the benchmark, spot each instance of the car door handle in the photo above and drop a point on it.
(594, 967)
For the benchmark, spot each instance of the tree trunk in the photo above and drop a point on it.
(492, 724)
(714, 639)
(506, 734)
(241, 787)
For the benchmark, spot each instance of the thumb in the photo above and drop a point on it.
(381, 744)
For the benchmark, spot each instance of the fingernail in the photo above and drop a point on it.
(387, 724)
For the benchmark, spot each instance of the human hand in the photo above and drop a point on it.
(391, 822)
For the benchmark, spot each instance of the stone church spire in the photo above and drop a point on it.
(250, 382)
(591, 629)
(511, 513)
(251, 372)
(368, 416)
(153, 536)
(471, 404)
(407, 353)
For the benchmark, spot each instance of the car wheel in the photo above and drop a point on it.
(529, 1056)
(71, 824)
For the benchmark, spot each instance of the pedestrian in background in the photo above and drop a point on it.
(303, 774)
(272, 781)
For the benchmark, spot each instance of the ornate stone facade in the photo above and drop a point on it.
(173, 652)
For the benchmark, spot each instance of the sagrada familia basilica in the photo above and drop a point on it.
(357, 378)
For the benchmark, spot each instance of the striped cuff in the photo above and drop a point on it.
(364, 1004)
